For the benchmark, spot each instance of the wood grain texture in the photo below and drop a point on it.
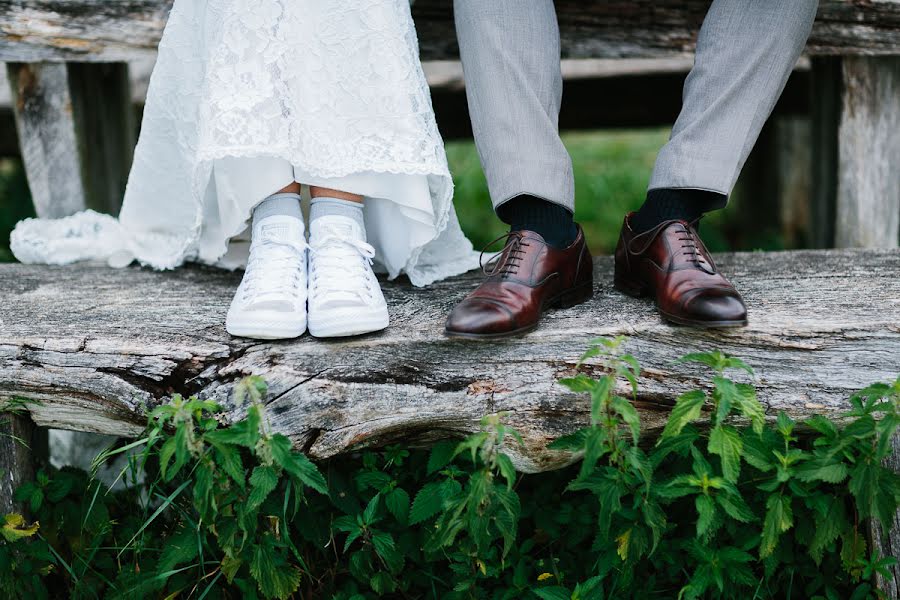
(98, 346)
(868, 178)
(16, 457)
(47, 134)
(98, 30)
(887, 543)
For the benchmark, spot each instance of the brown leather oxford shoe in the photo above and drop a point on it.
(671, 264)
(528, 277)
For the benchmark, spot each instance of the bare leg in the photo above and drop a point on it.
(320, 192)
(291, 188)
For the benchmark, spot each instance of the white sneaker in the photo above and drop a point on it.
(270, 303)
(345, 297)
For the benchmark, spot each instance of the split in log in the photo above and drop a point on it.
(97, 347)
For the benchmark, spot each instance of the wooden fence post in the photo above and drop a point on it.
(77, 132)
(20, 443)
(42, 106)
(868, 186)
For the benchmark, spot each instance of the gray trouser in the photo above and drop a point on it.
(510, 54)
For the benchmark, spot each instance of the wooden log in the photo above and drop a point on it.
(46, 130)
(98, 347)
(887, 542)
(94, 30)
(868, 185)
(18, 437)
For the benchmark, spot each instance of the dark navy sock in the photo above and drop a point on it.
(552, 221)
(665, 204)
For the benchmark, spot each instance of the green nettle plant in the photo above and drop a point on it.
(721, 504)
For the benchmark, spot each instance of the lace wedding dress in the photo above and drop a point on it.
(250, 95)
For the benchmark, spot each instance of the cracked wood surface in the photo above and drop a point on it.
(103, 31)
(96, 346)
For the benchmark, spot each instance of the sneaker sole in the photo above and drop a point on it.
(348, 323)
(265, 329)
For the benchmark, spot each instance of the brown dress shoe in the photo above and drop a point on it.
(671, 264)
(528, 277)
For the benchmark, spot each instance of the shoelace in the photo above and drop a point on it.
(690, 248)
(335, 252)
(690, 244)
(280, 274)
(513, 250)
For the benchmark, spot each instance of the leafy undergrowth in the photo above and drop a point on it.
(724, 505)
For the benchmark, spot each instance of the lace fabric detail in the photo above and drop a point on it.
(335, 87)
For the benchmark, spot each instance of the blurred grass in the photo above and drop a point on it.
(611, 168)
(15, 201)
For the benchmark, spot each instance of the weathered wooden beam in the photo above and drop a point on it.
(47, 135)
(18, 452)
(97, 347)
(868, 180)
(887, 542)
(94, 30)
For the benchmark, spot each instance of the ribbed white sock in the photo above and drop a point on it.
(323, 206)
(285, 203)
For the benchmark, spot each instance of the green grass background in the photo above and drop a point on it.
(612, 169)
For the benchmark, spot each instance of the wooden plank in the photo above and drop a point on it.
(17, 436)
(99, 346)
(868, 186)
(887, 543)
(47, 136)
(96, 30)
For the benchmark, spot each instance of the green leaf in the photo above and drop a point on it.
(506, 469)
(629, 415)
(779, 518)
(428, 502)
(382, 583)
(830, 524)
(571, 442)
(178, 549)
(262, 482)
(387, 550)
(822, 468)
(297, 464)
(734, 506)
(229, 458)
(555, 592)
(397, 502)
(687, 408)
(441, 455)
(706, 512)
(725, 441)
(274, 576)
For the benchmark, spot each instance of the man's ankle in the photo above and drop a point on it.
(666, 204)
(552, 221)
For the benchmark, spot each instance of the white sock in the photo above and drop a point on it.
(283, 203)
(321, 207)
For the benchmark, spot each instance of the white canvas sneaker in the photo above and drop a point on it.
(345, 297)
(270, 302)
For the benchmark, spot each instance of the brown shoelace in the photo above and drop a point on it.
(506, 261)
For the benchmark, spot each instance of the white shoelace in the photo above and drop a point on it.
(273, 268)
(345, 262)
